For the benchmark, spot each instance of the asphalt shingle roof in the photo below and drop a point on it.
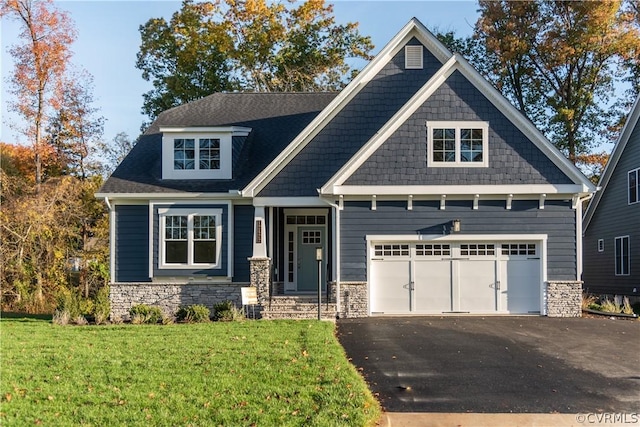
(275, 118)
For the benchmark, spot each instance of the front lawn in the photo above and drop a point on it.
(263, 373)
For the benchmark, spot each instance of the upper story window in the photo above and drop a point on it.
(198, 153)
(457, 144)
(191, 154)
(634, 186)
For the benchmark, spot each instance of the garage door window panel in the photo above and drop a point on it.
(392, 250)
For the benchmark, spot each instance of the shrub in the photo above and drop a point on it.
(609, 306)
(193, 314)
(61, 317)
(69, 302)
(102, 305)
(143, 313)
(626, 307)
(226, 311)
(589, 301)
(80, 320)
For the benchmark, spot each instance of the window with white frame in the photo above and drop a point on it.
(192, 154)
(457, 144)
(634, 186)
(623, 262)
(190, 238)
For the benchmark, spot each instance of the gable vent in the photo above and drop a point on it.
(413, 57)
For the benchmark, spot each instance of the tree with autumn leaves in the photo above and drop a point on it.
(559, 63)
(49, 215)
(247, 45)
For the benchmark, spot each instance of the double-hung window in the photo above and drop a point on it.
(634, 186)
(190, 238)
(623, 261)
(457, 144)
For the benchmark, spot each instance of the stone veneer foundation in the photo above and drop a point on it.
(353, 300)
(170, 296)
(564, 298)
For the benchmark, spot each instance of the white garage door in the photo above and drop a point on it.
(430, 278)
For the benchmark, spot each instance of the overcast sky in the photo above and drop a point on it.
(108, 41)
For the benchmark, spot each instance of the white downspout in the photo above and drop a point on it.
(112, 241)
(578, 207)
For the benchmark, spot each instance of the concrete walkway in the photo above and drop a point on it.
(409, 419)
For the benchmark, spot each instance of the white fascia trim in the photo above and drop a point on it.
(391, 126)
(413, 29)
(289, 201)
(232, 194)
(234, 130)
(417, 190)
(618, 149)
(523, 124)
(455, 237)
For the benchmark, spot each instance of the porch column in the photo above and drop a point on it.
(259, 270)
(259, 263)
(259, 233)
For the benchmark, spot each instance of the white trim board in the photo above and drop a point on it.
(472, 190)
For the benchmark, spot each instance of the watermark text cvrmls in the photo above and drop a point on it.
(609, 418)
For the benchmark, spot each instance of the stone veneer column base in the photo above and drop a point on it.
(169, 296)
(259, 273)
(564, 298)
(354, 300)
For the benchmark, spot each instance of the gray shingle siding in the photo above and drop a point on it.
(242, 242)
(557, 220)
(224, 253)
(131, 243)
(615, 217)
(513, 159)
(352, 127)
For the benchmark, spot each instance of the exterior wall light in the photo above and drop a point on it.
(455, 226)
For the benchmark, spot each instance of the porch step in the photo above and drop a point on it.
(283, 310)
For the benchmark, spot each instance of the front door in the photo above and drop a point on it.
(310, 238)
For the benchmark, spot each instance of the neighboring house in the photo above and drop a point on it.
(612, 220)
(424, 190)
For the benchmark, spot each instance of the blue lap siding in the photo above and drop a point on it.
(242, 242)
(557, 220)
(131, 243)
(615, 217)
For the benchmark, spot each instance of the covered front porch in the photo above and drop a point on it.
(293, 258)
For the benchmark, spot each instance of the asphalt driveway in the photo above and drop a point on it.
(497, 364)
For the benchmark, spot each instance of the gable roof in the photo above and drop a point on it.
(408, 32)
(275, 120)
(451, 62)
(618, 149)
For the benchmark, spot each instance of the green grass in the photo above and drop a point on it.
(264, 373)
